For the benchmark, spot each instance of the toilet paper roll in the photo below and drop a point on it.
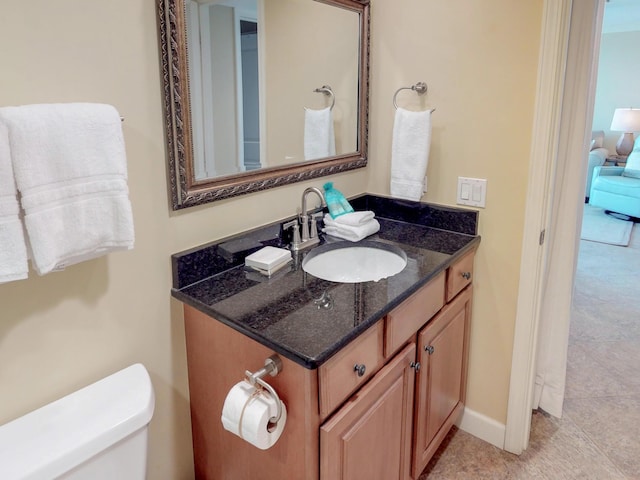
(246, 413)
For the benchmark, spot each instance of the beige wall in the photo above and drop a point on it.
(618, 69)
(64, 330)
(480, 69)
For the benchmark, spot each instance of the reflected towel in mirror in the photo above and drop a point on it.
(319, 137)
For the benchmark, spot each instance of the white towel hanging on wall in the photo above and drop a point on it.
(410, 153)
(13, 249)
(70, 167)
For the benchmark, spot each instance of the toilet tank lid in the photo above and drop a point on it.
(63, 434)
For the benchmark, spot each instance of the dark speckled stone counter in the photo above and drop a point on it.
(307, 319)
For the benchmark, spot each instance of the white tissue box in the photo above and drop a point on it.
(268, 259)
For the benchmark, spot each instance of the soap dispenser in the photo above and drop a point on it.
(336, 202)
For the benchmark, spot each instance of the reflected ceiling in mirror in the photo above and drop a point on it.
(273, 92)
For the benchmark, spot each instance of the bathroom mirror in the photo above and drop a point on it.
(242, 80)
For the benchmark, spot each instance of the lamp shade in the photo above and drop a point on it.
(626, 120)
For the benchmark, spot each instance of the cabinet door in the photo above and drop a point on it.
(441, 382)
(369, 438)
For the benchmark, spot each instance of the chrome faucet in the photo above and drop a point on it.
(304, 218)
(308, 236)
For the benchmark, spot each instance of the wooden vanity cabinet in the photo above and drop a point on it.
(344, 422)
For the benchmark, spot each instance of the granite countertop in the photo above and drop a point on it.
(307, 319)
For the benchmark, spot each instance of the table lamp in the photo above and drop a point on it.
(625, 120)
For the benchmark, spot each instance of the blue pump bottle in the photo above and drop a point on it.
(336, 203)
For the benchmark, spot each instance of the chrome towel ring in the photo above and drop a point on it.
(420, 88)
(326, 89)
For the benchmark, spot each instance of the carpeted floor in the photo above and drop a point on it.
(598, 436)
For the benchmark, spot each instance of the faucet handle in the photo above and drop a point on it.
(290, 224)
(314, 224)
(296, 231)
(313, 229)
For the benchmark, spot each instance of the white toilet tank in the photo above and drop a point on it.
(96, 433)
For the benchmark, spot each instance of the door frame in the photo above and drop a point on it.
(551, 135)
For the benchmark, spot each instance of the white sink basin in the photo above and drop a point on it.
(346, 262)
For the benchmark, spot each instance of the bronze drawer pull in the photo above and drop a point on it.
(466, 275)
(360, 369)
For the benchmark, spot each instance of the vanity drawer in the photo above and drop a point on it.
(459, 275)
(350, 368)
(405, 320)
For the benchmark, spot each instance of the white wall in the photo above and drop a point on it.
(618, 71)
(64, 330)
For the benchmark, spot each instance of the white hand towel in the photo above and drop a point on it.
(13, 249)
(70, 167)
(353, 233)
(319, 138)
(410, 153)
(354, 218)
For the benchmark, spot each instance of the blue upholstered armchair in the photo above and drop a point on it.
(618, 188)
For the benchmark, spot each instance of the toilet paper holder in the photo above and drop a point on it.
(272, 366)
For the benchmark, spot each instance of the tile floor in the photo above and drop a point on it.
(598, 436)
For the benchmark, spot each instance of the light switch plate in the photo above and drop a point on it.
(472, 191)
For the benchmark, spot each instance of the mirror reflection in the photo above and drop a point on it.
(280, 61)
(276, 92)
(222, 41)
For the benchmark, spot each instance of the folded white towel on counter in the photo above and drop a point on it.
(410, 153)
(346, 231)
(319, 137)
(353, 218)
(13, 249)
(70, 167)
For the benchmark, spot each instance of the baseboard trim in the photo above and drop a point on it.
(483, 427)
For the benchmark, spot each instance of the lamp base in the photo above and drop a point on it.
(625, 144)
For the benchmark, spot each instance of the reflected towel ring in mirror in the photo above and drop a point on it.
(326, 89)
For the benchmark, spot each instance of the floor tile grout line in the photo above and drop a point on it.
(596, 446)
(594, 443)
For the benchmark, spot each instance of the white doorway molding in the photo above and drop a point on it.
(557, 174)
